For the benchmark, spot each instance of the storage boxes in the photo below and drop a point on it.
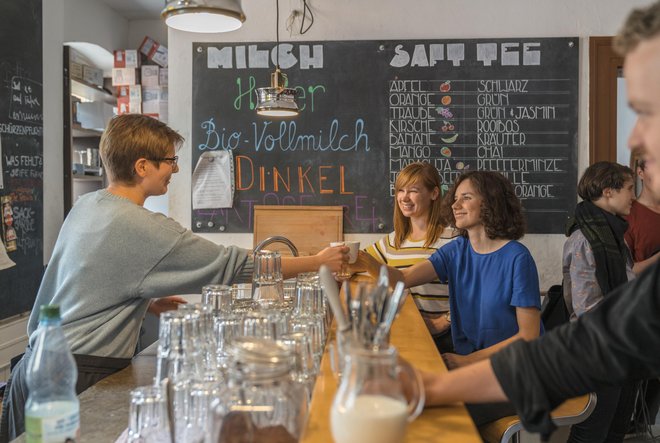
(154, 51)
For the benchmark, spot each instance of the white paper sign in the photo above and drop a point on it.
(213, 180)
(5, 261)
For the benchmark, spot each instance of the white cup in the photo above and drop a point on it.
(353, 248)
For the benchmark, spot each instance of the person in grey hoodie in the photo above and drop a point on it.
(113, 256)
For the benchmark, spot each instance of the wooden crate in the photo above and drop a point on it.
(310, 228)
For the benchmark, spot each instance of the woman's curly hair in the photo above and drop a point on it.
(501, 211)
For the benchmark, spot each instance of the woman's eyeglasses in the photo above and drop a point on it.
(171, 160)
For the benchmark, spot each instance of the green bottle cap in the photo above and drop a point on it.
(49, 312)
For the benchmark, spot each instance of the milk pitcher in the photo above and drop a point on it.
(370, 405)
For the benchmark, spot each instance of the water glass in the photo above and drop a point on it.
(225, 328)
(218, 296)
(267, 282)
(178, 351)
(207, 344)
(148, 422)
(265, 324)
(308, 294)
(305, 368)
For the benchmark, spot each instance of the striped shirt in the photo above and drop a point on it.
(431, 297)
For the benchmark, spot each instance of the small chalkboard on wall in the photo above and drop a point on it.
(369, 108)
(21, 153)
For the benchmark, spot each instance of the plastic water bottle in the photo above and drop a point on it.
(52, 411)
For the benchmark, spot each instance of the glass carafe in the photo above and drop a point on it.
(261, 402)
(370, 405)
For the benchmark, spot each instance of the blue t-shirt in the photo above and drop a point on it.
(484, 291)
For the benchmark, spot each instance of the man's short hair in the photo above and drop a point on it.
(130, 137)
(602, 175)
(642, 24)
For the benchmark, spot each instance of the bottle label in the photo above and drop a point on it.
(62, 428)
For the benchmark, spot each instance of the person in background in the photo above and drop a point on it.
(419, 231)
(493, 281)
(643, 239)
(596, 260)
(112, 256)
(615, 342)
(643, 234)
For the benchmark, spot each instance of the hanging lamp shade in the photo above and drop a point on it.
(276, 100)
(204, 16)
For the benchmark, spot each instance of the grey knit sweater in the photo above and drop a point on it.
(111, 257)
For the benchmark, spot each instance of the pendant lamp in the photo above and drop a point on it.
(277, 100)
(207, 16)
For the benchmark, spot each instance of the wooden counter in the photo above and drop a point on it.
(411, 338)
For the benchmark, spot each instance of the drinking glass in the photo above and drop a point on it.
(267, 283)
(305, 368)
(265, 324)
(225, 328)
(218, 296)
(148, 422)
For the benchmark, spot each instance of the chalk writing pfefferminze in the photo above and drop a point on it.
(287, 138)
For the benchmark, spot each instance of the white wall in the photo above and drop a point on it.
(390, 19)
(65, 21)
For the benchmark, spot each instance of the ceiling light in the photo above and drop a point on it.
(277, 100)
(207, 16)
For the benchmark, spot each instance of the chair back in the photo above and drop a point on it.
(553, 311)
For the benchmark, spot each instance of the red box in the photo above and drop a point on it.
(127, 106)
(126, 58)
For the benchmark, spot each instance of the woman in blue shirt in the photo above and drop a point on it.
(493, 282)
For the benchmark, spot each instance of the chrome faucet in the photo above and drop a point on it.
(277, 239)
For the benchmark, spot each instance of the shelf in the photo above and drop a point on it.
(79, 131)
(87, 178)
(91, 92)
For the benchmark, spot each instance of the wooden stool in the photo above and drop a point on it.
(572, 411)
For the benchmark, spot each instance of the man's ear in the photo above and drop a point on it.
(607, 192)
(140, 167)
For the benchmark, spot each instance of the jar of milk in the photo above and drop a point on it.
(370, 405)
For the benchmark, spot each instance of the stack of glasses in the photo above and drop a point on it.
(237, 364)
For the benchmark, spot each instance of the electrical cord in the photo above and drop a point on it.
(306, 9)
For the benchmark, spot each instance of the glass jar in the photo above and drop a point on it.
(261, 402)
(370, 405)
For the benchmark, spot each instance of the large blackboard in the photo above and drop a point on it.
(371, 107)
(21, 127)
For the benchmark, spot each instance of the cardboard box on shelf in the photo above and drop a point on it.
(133, 92)
(126, 58)
(154, 51)
(150, 75)
(163, 77)
(127, 106)
(154, 93)
(125, 76)
(92, 75)
(76, 70)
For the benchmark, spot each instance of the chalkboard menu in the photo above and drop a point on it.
(369, 108)
(21, 153)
